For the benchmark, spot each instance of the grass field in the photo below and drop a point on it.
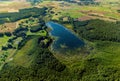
(24, 56)
(11, 6)
(3, 41)
(39, 33)
(8, 27)
(109, 52)
(105, 10)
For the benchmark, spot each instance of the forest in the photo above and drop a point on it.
(94, 30)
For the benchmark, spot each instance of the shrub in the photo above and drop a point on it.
(8, 34)
(1, 34)
(35, 28)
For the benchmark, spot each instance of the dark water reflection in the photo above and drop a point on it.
(66, 40)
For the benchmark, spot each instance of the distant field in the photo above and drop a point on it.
(104, 11)
(9, 6)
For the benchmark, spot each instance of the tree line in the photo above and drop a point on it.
(23, 13)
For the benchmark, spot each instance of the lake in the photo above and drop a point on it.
(65, 39)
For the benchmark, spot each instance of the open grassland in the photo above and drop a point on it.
(40, 33)
(23, 57)
(3, 41)
(11, 6)
(109, 52)
(102, 11)
(8, 27)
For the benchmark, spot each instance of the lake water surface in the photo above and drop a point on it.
(65, 39)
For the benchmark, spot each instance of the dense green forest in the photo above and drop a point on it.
(94, 30)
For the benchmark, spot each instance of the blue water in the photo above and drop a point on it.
(65, 39)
